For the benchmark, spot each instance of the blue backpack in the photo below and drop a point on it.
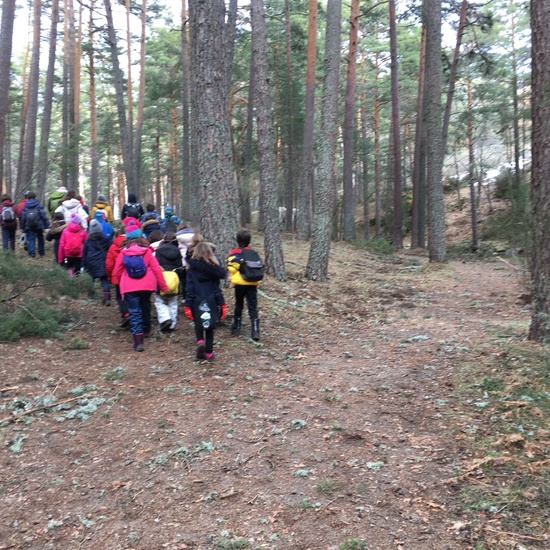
(135, 266)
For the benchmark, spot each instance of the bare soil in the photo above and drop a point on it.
(344, 422)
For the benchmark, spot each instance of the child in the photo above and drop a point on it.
(8, 221)
(54, 233)
(243, 288)
(169, 258)
(139, 275)
(71, 245)
(93, 258)
(110, 261)
(203, 297)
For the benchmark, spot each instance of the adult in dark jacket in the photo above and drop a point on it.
(33, 222)
(169, 258)
(132, 208)
(93, 258)
(204, 298)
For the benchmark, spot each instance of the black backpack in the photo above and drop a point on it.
(132, 210)
(32, 218)
(251, 266)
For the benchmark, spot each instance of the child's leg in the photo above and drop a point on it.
(134, 309)
(209, 341)
(145, 305)
(252, 300)
(240, 291)
(173, 308)
(163, 313)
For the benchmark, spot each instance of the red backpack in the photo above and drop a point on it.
(74, 244)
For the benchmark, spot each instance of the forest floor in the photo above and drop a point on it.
(379, 410)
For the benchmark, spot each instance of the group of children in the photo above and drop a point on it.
(149, 256)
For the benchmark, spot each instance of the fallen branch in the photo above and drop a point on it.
(508, 263)
(8, 388)
(518, 535)
(37, 409)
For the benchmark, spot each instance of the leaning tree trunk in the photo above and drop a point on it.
(305, 193)
(434, 146)
(118, 82)
(349, 126)
(6, 34)
(263, 102)
(540, 182)
(210, 124)
(325, 189)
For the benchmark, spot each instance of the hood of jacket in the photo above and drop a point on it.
(205, 271)
(134, 250)
(71, 204)
(74, 227)
(31, 203)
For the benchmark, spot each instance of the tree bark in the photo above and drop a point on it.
(325, 188)
(349, 126)
(540, 182)
(397, 233)
(263, 101)
(6, 34)
(185, 155)
(471, 169)
(141, 94)
(210, 123)
(305, 195)
(434, 129)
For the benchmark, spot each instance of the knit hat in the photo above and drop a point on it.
(129, 220)
(75, 218)
(132, 230)
(94, 227)
(168, 210)
(101, 198)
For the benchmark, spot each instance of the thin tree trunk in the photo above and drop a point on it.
(141, 93)
(377, 184)
(185, 156)
(325, 189)
(28, 152)
(366, 197)
(273, 244)
(118, 82)
(305, 195)
(419, 170)
(349, 127)
(6, 34)
(248, 156)
(289, 176)
(471, 169)
(48, 103)
(397, 233)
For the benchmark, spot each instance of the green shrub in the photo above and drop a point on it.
(378, 245)
(30, 295)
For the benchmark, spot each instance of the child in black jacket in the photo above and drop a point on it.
(204, 297)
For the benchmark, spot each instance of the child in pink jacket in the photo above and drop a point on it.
(139, 275)
(71, 245)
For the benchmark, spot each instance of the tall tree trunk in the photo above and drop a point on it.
(376, 128)
(71, 150)
(118, 82)
(27, 154)
(185, 155)
(349, 129)
(210, 123)
(273, 243)
(325, 188)
(141, 93)
(94, 153)
(397, 233)
(248, 155)
(471, 168)
(434, 146)
(48, 102)
(540, 182)
(305, 195)
(365, 162)
(419, 169)
(289, 176)
(515, 124)
(6, 34)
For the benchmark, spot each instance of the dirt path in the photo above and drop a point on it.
(338, 426)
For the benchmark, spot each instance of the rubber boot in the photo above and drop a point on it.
(106, 299)
(138, 342)
(236, 326)
(255, 335)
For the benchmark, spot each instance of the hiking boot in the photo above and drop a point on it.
(125, 320)
(209, 357)
(200, 349)
(147, 332)
(138, 342)
(255, 333)
(236, 326)
(165, 325)
(106, 299)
